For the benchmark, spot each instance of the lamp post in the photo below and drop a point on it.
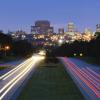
(0, 46)
(6, 49)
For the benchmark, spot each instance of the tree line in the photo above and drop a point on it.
(91, 49)
(21, 48)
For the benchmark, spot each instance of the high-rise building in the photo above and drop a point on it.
(71, 27)
(61, 30)
(42, 27)
(98, 28)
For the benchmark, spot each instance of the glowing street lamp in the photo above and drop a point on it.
(6, 49)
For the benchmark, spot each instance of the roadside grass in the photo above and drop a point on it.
(91, 60)
(50, 81)
(4, 67)
(8, 59)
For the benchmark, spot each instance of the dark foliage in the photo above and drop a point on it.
(91, 48)
(50, 57)
(22, 48)
(5, 39)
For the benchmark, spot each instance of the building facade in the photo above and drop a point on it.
(98, 28)
(71, 27)
(42, 27)
(61, 30)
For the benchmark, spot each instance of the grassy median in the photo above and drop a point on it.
(50, 81)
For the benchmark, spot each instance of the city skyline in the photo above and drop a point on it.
(22, 14)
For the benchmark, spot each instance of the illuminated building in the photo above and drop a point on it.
(77, 36)
(87, 35)
(61, 30)
(71, 27)
(19, 35)
(41, 27)
(71, 32)
(88, 31)
(98, 28)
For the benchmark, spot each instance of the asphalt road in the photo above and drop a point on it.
(13, 79)
(12, 64)
(86, 77)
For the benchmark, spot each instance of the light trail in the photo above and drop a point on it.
(82, 77)
(94, 72)
(21, 75)
(94, 79)
(89, 82)
(15, 70)
(17, 67)
(12, 80)
(22, 71)
(88, 77)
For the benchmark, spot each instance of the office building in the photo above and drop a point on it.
(42, 27)
(71, 27)
(98, 28)
(61, 30)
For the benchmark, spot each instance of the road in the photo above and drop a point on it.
(86, 77)
(13, 79)
(12, 64)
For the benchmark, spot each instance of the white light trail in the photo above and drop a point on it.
(15, 71)
(29, 64)
(18, 67)
(14, 81)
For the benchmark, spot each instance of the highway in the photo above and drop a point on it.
(13, 79)
(86, 77)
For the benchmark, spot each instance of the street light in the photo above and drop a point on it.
(6, 49)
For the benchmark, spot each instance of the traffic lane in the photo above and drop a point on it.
(10, 73)
(81, 64)
(14, 69)
(12, 84)
(11, 65)
(80, 72)
(89, 80)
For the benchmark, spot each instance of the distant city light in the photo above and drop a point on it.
(60, 41)
(42, 52)
(42, 34)
(81, 54)
(75, 54)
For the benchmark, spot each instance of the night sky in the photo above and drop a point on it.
(21, 14)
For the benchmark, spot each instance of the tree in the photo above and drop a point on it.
(5, 39)
(97, 34)
(22, 48)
